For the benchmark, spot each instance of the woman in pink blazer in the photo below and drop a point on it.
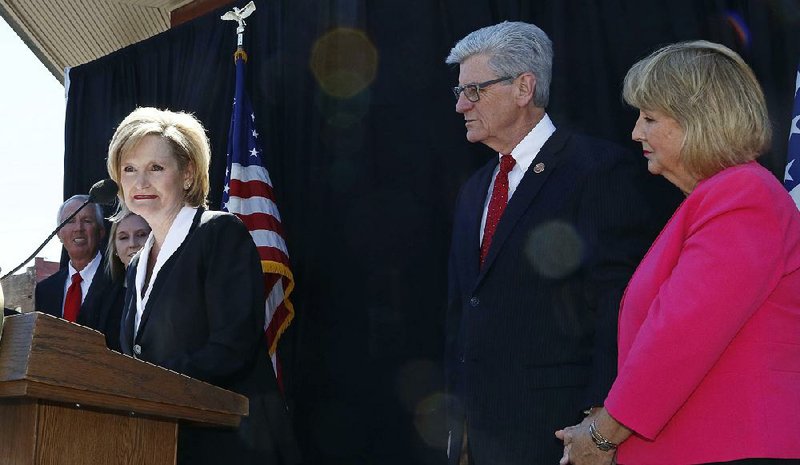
(709, 327)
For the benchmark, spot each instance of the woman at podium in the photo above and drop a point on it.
(195, 293)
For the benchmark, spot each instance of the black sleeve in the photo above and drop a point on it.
(621, 223)
(233, 291)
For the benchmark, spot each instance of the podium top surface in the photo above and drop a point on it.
(48, 358)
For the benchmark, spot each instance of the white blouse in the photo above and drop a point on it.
(175, 236)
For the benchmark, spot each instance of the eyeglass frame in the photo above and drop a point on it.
(457, 90)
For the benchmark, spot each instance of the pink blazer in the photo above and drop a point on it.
(709, 329)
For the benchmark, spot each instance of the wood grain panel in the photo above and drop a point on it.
(49, 358)
(18, 431)
(69, 436)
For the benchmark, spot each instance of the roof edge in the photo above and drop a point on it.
(13, 20)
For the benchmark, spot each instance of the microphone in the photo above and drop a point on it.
(102, 192)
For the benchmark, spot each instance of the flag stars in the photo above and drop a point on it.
(787, 176)
(255, 134)
(253, 116)
(797, 84)
(254, 152)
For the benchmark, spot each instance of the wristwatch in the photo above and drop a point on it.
(599, 440)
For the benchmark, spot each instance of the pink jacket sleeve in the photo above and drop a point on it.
(727, 266)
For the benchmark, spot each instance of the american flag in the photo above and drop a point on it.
(791, 178)
(248, 194)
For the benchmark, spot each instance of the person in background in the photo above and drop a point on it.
(709, 359)
(127, 236)
(76, 292)
(195, 293)
(545, 237)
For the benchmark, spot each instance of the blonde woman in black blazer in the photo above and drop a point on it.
(195, 299)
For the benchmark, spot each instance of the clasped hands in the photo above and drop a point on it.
(579, 448)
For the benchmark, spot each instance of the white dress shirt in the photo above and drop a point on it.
(524, 154)
(87, 275)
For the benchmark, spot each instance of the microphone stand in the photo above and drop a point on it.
(102, 192)
(55, 231)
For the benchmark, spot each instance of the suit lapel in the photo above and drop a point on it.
(59, 294)
(163, 274)
(50, 293)
(129, 309)
(532, 182)
(91, 310)
(474, 216)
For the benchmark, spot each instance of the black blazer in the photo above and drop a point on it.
(111, 304)
(531, 337)
(205, 319)
(94, 312)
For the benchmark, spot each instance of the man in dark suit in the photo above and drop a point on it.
(545, 238)
(83, 282)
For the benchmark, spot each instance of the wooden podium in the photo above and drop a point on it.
(66, 399)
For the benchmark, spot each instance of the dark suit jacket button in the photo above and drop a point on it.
(137, 349)
(474, 301)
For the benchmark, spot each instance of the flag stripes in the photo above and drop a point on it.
(252, 205)
(247, 189)
(249, 195)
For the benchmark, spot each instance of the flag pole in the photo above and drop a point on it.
(248, 194)
(239, 15)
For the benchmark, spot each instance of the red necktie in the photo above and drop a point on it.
(72, 303)
(497, 204)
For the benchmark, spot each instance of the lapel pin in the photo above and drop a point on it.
(538, 168)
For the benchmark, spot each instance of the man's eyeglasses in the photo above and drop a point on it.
(472, 91)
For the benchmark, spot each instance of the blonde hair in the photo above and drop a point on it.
(714, 96)
(184, 134)
(114, 266)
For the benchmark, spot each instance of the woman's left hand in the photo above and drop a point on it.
(579, 449)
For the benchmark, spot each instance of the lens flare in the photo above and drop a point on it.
(555, 249)
(344, 62)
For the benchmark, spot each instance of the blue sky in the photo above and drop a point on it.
(32, 113)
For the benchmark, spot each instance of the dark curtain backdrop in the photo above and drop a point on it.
(366, 178)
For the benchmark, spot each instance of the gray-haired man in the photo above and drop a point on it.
(545, 238)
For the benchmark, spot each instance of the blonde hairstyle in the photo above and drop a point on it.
(184, 134)
(114, 266)
(714, 96)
